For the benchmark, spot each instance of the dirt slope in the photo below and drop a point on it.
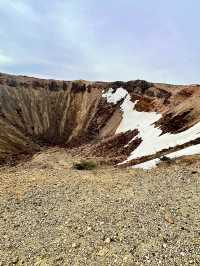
(53, 215)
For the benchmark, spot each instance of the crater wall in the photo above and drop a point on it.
(74, 114)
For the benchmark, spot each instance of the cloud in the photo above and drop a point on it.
(5, 59)
(104, 40)
(18, 8)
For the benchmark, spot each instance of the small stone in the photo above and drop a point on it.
(169, 218)
(107, 240)
(75, 245)
(15, 260)
(102, 252)
(128, 258)
(194, 172)
(164, 245)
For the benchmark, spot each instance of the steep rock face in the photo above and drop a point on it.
(74, 114)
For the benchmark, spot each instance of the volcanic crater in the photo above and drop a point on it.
(123, 123)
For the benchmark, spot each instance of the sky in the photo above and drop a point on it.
(155, 40)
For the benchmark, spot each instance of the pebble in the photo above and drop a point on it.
(169, 218)
(128, 258)
(102, 252)
(75, 245)
(107, 240)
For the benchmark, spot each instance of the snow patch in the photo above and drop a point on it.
(148, 164)
(152, 140)
(114, 97)
(194, 149)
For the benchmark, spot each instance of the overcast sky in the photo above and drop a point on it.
(102, 40)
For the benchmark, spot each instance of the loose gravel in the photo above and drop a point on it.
(54, 215)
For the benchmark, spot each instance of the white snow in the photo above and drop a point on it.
(152, 140)
(115, 97)
(194, 149)
(132, 119)
(148, 164)
(153, 143)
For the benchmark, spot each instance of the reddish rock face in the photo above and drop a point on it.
(37, 112)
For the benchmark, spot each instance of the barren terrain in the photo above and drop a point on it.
(51, 214)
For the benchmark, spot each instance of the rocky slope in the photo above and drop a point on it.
(51, 214)
(102, 119)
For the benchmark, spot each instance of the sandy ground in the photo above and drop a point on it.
(51, 214)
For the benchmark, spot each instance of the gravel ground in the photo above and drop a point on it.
(51, 214)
